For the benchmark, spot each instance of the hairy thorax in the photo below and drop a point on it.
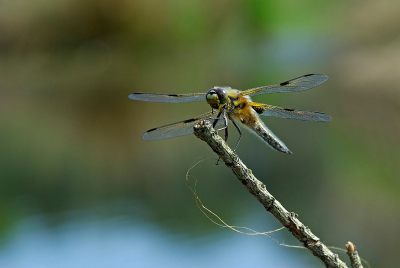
(240, 109)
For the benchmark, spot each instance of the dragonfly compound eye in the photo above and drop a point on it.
(216, 97)
(222, 95)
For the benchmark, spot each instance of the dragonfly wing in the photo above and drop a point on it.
(158, 97)
(295, 85)
(269, 110)
(178, 129)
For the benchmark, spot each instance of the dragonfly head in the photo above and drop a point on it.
(217, 97)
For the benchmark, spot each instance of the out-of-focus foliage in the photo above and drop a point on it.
(70, 138)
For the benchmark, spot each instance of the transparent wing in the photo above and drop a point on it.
(158, 97)
(295, 85)
(269, 110)
(178, 129)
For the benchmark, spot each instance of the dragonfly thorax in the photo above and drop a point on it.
(216, 97)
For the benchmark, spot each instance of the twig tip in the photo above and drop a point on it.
(350, 247)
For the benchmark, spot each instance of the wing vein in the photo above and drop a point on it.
(298, 84)
(269, 110)
(159, 97)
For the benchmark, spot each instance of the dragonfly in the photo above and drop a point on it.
(235, 106)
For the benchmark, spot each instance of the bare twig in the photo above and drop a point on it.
(353, 254)
(204, 131)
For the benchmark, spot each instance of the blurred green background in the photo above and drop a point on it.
(80, 188)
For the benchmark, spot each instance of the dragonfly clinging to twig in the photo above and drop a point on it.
(237, 107)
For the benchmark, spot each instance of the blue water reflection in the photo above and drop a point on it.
(121, 242)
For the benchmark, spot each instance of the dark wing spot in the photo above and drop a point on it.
(290, 110)
(285, 83)
(189, 120)
(151, 130)
(308, 75)
(259, 110)
(173, 95)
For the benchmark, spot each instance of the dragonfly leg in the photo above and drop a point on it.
(226, 138)
(225, 121)
(238, 129)
(226, 131)
(216, 119)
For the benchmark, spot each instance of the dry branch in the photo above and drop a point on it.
(204, 131)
